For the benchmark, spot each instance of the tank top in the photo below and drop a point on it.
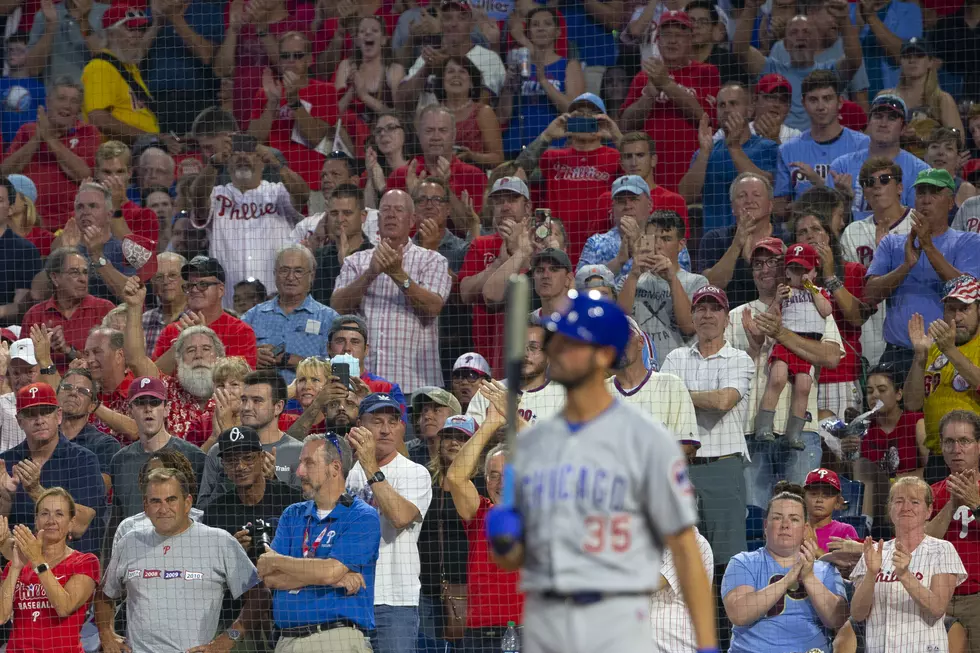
(533, 109)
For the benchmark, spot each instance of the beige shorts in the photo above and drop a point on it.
(338, 640)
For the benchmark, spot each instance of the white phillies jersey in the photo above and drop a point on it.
(800, 314)
(536, 403)
(673, 630)
(247, 229)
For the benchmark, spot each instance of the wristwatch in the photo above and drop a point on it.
(50, 369)
(407, 282)
(378, 477)
(233, 634)
(41, 568)
(100, 263)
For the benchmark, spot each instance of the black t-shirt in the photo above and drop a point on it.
(228, 513)
(328, 269)
(455, 546)
(19, 264)
(729, 66)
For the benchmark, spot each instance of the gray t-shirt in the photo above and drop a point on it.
(653, 309)
(175, 585)
(215, 483)
(69, 53)
(597, 506)
(968, 216)
(127, 500)
(833, 54)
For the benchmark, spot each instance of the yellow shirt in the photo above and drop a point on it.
(105, 89)
(946, 390)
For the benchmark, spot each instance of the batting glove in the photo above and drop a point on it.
(505, 528)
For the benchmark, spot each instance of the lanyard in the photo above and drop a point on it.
(310, 551)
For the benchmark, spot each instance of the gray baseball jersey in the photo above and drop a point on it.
(175, 585)
(599, 500)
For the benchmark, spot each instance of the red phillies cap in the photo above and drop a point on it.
(853, 116)
(821, 475)
(802, 254)
(678, 17)
(772, 83)
(140, 254)
(712, 292)
(36, 394)
(119, 15)
(146, 386)
(772, 245)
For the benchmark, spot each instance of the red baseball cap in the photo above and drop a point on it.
(678, 17)
(802, 254)
(141, 254)
(712, 292)
(853, 116)
(821, 475)
(124, 15)
(36, 394)
(772, 245)
(146, 386)
(772, 83)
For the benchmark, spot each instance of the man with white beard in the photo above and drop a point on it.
(189, 392)
(250, 219)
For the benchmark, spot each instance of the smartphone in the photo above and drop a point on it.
(582, 125)
(278, 350)
(342, 372)
(542, 223)
(648, 242)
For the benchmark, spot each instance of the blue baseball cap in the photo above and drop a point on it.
(379, 401)
(631, 184)
(24, 185)
(461, 423)
(590, 98)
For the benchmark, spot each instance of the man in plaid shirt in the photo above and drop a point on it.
(168, 288)
(399, 288)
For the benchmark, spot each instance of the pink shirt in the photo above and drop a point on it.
(835, 529)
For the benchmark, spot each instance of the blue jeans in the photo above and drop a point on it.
(431, 616)
(396, 629)
(773, 462)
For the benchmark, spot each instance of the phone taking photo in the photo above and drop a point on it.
(342, 372)
(582, 125)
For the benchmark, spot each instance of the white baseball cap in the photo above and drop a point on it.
(472, 361)
(24, 350)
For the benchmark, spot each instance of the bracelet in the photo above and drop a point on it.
(833, 284)
(296, 106)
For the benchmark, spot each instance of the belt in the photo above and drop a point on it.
(707, 460)
(305, 631)
(587, 598)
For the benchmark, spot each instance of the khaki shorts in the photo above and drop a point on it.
(338, 640)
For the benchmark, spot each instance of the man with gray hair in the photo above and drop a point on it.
(168, 290)
(292, 325)
(56, 151)
(156, 169)
(105, 360)
(725, 253)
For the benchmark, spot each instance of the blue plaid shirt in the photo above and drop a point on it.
(303, 332)
(600, 248)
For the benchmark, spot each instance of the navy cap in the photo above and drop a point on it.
(379, 401)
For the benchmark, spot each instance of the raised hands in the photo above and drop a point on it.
(872, 555)
(921, 342)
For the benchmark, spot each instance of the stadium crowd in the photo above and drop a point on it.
(254, 258)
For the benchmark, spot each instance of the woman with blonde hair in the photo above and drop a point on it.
(312, 373)
(47, 586)
(26, 223)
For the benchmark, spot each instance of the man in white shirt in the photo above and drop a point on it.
(754, 331)
(401, 491)
(660, 395)
(18, 365)
(718, 377)
(673, 630)
(540, 397)
(399, 288)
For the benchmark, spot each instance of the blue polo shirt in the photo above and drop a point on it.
(353, 538)
(73, 468)
(303, 332)
(721, 172)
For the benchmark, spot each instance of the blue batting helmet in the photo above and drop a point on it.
(589, 317)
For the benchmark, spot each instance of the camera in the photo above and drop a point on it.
(262, 532)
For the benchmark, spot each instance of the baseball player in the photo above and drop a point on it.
(598, 488)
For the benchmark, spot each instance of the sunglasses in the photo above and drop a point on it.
(468, 375)
(152, 402)
(884, 180)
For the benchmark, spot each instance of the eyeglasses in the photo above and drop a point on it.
(75, 389)
(431, 200)
(291, 56)
(468, 375)
(759, 264)
(884, 180)
(533, 348)
(961, 443)
(160, 278)
(293, 272)
(387, 129)
(248, 461)
(200, 286)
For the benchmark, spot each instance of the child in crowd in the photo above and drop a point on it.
(804, 309)
(822, 495)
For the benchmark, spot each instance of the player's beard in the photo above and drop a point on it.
(196, 381)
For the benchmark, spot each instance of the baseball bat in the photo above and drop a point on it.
(515, 339)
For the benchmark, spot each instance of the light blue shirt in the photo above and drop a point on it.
(790, 182)
(797, 117)
(790, 625)
(303, 332)
(721, 172)
(921, 290)
(910, 164)
(831, 55)
(904, 20)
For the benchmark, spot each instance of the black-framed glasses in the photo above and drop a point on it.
(884, 180)
(291, 56)
(468, 375)
(202, 286)
(423, 199)
(76, 389)
(759, 264)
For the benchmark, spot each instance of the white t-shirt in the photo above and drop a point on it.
(673, 630)
(896, 622)
(858, 245)
(663, 397)
(536, 403)
(397, 576)
(735, 336)
(487, 61)
(720, 432)
(10, 432)
(247, 229)
(307, 226)
(800, 314)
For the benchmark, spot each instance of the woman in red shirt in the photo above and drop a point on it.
(478, 139)
(47, 586)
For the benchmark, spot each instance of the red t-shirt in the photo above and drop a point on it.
(877, 443)
(56, 201)
(37, 627)
(142, 222)
(674, 133)
(964, 534)
(495, 597)
(462, 176)
(661, 200)
(237, 337)
(849, 369)
(488, 327)
(115, 401)
(574, 181)
(320, 100)
(89, 314)
(42, 239)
